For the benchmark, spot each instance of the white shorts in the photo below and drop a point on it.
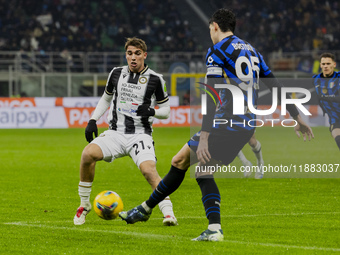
(140, 147)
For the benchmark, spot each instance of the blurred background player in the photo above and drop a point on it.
(327, 86)
(132, 91)
(256, 148)
(217, 144)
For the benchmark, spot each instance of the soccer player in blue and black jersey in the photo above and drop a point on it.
(327, 87)
(242, 64)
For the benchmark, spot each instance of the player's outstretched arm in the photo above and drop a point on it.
(163, 112)
(101, 107)
(303, 128)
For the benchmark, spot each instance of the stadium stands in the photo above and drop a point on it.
(56, 25)
(87, 26)
(287, 26)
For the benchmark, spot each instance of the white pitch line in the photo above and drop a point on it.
(162, 237)
(222, 216)
(261, 215)
(137, 234)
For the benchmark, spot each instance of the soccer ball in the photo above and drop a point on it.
(108, 205)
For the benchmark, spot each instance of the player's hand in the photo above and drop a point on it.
(90, 130)
(303, 128)
(202, 152)
(145, 110)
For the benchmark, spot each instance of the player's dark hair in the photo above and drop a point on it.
(327, 55)
(225, 19)
(136, 42)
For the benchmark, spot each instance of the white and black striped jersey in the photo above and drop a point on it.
(130, 90)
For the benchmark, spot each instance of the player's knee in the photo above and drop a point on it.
(86, 157)
(91, 154)
(180, 162)
(150, 174)
(252, 142)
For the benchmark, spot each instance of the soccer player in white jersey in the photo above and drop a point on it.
(131, 91)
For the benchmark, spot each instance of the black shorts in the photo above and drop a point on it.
(223, 148)
(334, 125)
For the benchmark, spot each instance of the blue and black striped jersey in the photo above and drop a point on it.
(328, 88)
(238, 63)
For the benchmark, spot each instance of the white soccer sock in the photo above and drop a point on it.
(244, 160)
(146, 207)
(166, 207)
(84, 191)
(241, 156)
(214, 227)
(257, 151)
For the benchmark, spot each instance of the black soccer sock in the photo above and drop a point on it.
(337, 140)
(166, 186)
(210, 198)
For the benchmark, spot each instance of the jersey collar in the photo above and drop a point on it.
(146, 67)
(227, 37)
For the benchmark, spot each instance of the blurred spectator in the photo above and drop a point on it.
(186, 98)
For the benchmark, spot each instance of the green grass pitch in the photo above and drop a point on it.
(39, 197)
